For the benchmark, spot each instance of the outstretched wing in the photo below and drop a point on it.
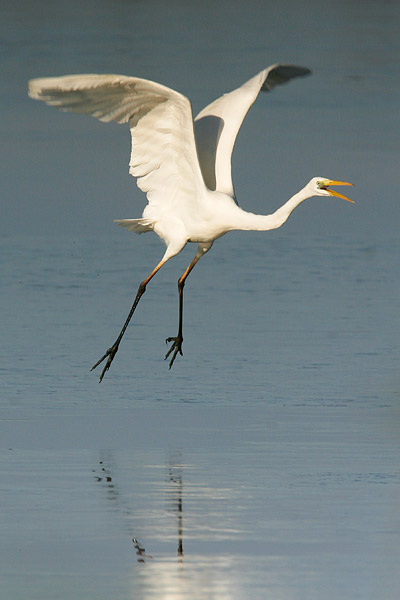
(164, 157)
(217, 125)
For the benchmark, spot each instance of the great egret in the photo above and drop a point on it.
(183, 165)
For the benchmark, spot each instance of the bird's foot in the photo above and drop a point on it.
(175, 348)
(111, 352)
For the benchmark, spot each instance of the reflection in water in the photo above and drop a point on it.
(140, 551)
(174, 492)
(104, 476)
(217, 546)
(163, 576)
(174, 496)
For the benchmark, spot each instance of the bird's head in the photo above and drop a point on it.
(319, 186)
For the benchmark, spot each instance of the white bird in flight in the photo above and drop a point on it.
(182, 164)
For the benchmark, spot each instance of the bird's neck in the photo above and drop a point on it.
(252, 222)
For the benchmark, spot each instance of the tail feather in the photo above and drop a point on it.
(136, 225)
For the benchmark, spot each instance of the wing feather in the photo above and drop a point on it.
(164, 156)
(217, 125)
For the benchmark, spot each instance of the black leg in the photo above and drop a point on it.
(178, 340)
(112, 351)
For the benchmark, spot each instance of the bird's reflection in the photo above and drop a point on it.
(140, 551)
(151, 512)
(174, 498)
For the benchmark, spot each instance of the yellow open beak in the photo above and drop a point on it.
(333, 193)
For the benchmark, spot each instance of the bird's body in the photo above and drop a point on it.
(182, 164)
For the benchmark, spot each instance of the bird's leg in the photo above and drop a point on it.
(112, 351)
(177, 341)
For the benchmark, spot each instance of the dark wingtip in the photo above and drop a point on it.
(281, 74)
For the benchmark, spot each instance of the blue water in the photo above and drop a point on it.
(265, 464)
(280, 422)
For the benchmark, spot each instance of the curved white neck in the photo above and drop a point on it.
(252, 222)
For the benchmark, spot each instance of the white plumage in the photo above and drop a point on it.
(183, 165)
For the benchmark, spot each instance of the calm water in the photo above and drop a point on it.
(270, 453)
(265, 464)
